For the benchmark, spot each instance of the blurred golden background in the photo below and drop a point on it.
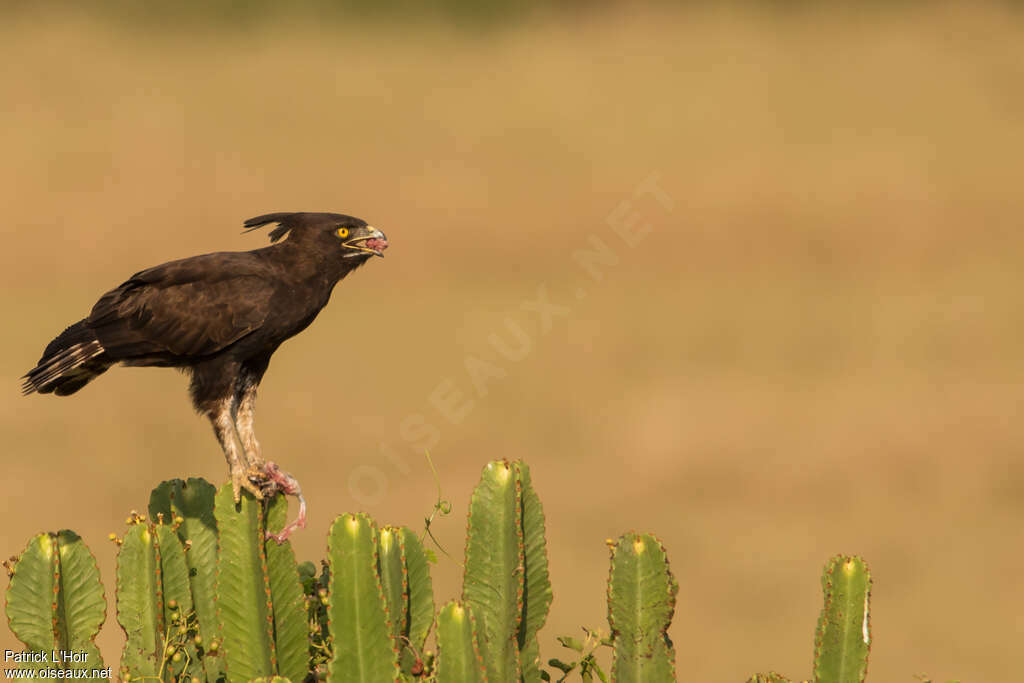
(810, 342)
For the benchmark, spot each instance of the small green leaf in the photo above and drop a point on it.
(571, 643)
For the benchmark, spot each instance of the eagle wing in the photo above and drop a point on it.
(189, 308)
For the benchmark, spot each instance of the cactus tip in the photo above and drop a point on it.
(503, 472)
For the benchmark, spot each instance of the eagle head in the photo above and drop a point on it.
(359, 239)
(352, 237)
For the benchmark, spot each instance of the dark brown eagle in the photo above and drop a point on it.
(219, 317)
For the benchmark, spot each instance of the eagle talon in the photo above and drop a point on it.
(260, 481)
(240, 481)
(257, 471)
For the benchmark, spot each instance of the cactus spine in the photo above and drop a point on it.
(641, 601)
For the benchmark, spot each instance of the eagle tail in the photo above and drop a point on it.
(69, 362)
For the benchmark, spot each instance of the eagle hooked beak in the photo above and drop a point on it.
(372, 242)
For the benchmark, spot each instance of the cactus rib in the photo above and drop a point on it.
(243, 593)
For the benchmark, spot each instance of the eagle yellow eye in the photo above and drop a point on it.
(343, 232)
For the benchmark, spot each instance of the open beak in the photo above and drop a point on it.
(372, 243)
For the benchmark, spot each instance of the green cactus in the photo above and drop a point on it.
(291, 629)
(259, 596)
(178, 611)
(55, 599)
(536, 582)
(243, 588)
(315, 589)
(641, 601)
(139, 603)
(189, 506)
(201, 594)
(842, 641)
(459, 659)
(154, 603)
(358, 613)
(405, 579)
(506, 582)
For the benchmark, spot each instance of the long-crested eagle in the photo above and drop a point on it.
(219, 317)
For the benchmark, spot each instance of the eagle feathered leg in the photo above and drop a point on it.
(224, 427)
(268, 475)
(244, 418)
